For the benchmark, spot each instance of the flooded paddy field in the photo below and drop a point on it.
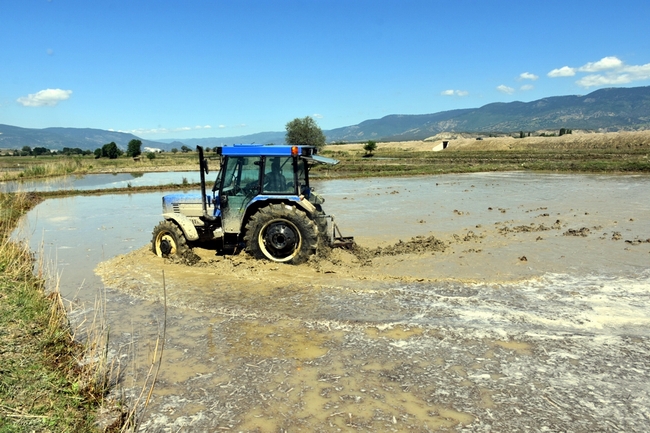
(478, 302)
(100, 181)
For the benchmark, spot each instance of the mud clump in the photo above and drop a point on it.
(188, 259)
(525, 228)
(583, 232)
(638, 241)
(469, 236)
(416, 245)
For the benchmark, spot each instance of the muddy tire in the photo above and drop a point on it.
(323, 229)
(168, 241)
(281, 233)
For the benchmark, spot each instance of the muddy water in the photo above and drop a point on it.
(533, 317)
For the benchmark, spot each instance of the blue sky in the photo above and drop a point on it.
(192, 69)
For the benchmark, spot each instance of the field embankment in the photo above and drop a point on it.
(612, 152)
(44, 386)
(31, 167)
(623, 152)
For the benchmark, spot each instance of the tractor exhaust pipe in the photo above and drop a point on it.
(203, 169)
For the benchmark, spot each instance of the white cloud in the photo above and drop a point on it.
(146, 131)
(603, 80)
(605, 72)
(528, 76)
(452, 92)
(47, 97)
(616, 73)
(602, 64)
(526, 87)
(564, 71)
(505, 89)
(317, 116)
(221, 126)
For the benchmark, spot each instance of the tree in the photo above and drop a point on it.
(151, 155)
(40, 151)
(370, 147)
(134, 148)
(305, 131)
(174, 150)
(26, 150)
(111, 151)
(185, 149)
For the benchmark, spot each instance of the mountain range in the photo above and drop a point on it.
(610, 109)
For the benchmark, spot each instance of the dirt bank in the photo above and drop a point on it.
(575, 141)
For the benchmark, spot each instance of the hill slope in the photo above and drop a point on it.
(13, 137)
(612, 109)
(605, 110)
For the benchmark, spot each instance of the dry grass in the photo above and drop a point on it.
(466, 142)
(49, 382)
(578, 152)
(29, 167)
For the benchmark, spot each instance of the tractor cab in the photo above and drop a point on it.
(253, 175)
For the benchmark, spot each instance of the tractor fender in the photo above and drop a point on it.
(185, 225)
(303, 205)
(307, 206)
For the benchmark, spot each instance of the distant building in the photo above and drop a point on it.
(152, 150)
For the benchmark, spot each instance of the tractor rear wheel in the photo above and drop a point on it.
(168, 240)
(281, 233)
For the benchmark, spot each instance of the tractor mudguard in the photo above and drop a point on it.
(185, 224)
(294, 200)
(306, 206)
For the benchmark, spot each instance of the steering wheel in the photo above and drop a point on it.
(250, 187)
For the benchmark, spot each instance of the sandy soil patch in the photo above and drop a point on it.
(576, 140)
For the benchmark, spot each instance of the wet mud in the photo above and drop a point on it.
(511, 317)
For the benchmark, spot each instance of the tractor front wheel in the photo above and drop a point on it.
(281, 233)
(168, 240)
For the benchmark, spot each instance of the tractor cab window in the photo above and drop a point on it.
(241, 176)
(241, 183)
(303, 184)
(278, 178)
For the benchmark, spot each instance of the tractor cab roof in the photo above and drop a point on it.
(306, 152)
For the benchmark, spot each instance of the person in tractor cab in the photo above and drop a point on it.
(274, 180)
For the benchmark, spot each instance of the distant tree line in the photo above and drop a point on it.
(44, 151)
(111, 151)
(563, 131)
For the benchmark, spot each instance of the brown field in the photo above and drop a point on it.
(462, 142)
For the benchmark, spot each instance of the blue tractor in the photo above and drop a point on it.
(261, 201)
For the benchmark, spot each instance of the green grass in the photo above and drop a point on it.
(29, 167)
(42, 386)
(404, 163)
(609, 158)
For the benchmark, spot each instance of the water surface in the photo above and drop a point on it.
(257, 347)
